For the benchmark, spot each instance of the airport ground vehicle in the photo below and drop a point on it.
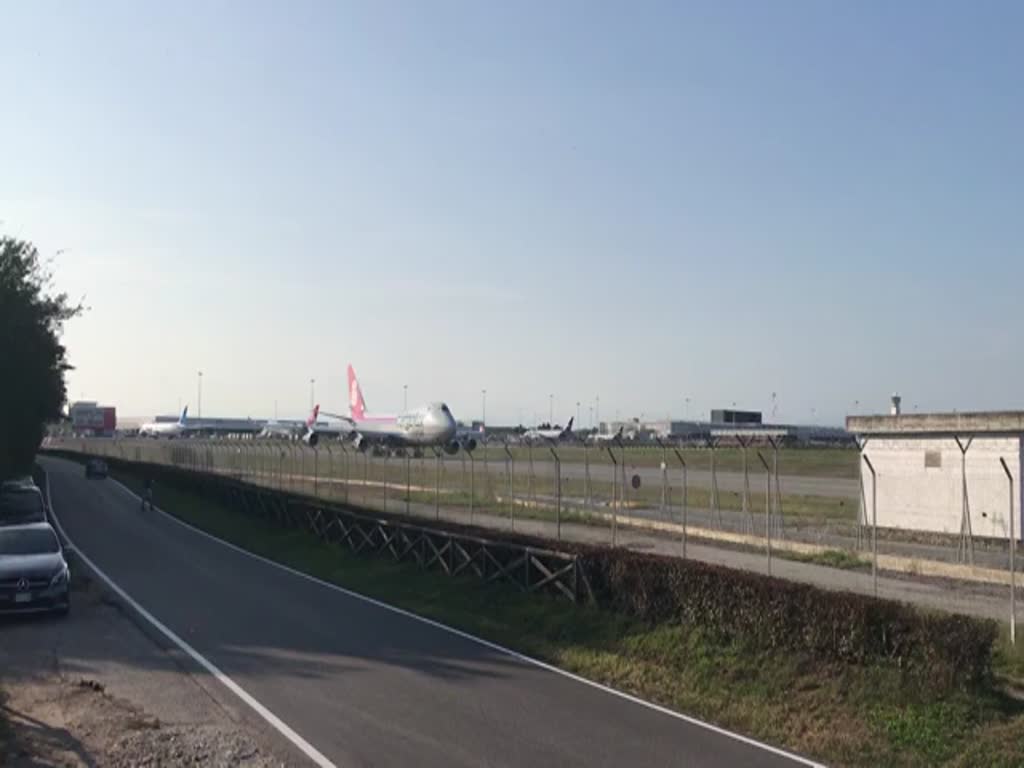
(21, 502)
(96, 468)
(34, 576)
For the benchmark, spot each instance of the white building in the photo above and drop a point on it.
(923, 463)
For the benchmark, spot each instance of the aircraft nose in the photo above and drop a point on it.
(444, 420)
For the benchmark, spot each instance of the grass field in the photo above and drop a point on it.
(845, 715)
(294, 458)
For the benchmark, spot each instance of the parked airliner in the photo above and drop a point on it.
(166, 428)
(427, 426)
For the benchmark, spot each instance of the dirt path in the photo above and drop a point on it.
(94, 690)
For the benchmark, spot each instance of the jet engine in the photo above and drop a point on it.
(311, 438)
(452, 447)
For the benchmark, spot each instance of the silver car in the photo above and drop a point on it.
(34, 576)
(21, 502)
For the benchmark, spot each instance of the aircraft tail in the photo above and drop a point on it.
(184, 416)
(313, 416)
(356, 403)
(568, 427)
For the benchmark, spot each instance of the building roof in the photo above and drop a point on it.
(937, 424)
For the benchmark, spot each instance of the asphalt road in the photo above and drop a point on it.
(365, 685)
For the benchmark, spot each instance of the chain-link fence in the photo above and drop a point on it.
(792, 512)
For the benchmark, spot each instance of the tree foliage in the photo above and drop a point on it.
(32, 359)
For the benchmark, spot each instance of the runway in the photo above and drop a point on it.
(363, 684)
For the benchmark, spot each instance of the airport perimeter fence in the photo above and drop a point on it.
(749, 506)
(944, 651)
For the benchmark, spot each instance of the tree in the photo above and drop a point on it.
(32, 359)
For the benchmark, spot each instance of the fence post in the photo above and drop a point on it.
(966, 544)
(558, 491)
(586, 475)
(472, 484)
(1013, 567)
(615, 480)
(366, 477)
(509, 470)
(715, 507)
(348, 475)
(437, 485)
(874, 523)
(408, 480)
(529, 479)
(683, 462)
(767, 509)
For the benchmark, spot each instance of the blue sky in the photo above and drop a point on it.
(644, 202)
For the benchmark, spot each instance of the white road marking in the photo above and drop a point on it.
(304, 746)
(486, 643)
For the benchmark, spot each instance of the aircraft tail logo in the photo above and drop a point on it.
(313, 416)
(356, 403)
(184, 416)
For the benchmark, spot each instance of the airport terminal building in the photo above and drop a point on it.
(92, 419)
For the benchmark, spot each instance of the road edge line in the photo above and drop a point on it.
(273, 720)
(487, 643)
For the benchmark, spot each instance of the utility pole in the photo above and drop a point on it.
(483, 407)
(577, 422)
(312, 393)
(405, 397)
(199, 398)
(551, 410)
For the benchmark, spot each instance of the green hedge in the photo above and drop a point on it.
(943, 649)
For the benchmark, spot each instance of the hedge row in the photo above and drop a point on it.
(945, 649)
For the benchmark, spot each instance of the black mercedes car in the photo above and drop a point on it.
(34, 576)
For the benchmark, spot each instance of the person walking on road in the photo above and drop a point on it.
(147, 492)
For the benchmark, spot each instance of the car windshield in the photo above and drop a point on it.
(34, 541)
(18, 505)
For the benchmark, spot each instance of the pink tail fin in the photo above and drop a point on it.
(313, 416)
(356, 403)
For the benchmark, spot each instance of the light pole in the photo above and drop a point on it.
(551, 410)
(597, 411)
(199, 392)
(405, 397)
(483, 407)
(578, 425)
(312, 393)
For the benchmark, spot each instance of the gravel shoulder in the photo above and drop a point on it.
(94, 689)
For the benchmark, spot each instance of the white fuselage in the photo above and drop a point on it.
(282, 429)
(162, 429)
(429, 425)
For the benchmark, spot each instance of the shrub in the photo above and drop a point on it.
(944, 650)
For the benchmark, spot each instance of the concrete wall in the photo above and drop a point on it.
(919, 484)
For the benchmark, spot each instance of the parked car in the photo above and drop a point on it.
(34, 576)
(96, 468)
(21, 502)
